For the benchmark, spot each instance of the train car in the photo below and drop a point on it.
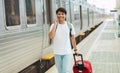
(24, 27)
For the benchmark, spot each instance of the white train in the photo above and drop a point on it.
(24, 27)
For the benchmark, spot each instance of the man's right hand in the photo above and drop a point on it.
(55, 21)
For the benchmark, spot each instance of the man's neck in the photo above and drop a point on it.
(62, 22)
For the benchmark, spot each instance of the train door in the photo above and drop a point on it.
(93, 17)
(81, 23)
(48, 15)
(118, 25)
(88, 16)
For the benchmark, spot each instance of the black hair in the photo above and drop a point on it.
(61, 10)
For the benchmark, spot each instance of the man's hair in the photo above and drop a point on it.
(61, 10)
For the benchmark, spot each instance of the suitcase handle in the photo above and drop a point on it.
(81, 58)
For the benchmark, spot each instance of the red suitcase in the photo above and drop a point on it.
(81, 66)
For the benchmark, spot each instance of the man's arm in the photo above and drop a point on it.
(73, 42)
(52, 32)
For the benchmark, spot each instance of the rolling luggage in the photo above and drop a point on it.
(81, 66)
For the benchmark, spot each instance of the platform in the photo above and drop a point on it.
(101, 48)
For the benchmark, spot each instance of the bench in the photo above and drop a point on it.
(88, 31)
(82, 35)
(93, 27)
(48, 61)
(48, 56)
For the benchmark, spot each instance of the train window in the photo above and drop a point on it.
(12, 12)
(90, 17)
(67, 7)
(63, 4)
(57, 3)
(76, 17)
(76, 12)
(30, 11)
(76, 8)
(85, 18)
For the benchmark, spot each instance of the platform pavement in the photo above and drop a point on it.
(105, 53)
(101, 48)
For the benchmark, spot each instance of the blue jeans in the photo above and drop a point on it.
(63, 63)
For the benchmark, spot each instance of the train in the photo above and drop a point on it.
(25, 24)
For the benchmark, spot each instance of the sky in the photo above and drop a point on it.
(107, 4)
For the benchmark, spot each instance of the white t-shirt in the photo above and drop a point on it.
(61, 42)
